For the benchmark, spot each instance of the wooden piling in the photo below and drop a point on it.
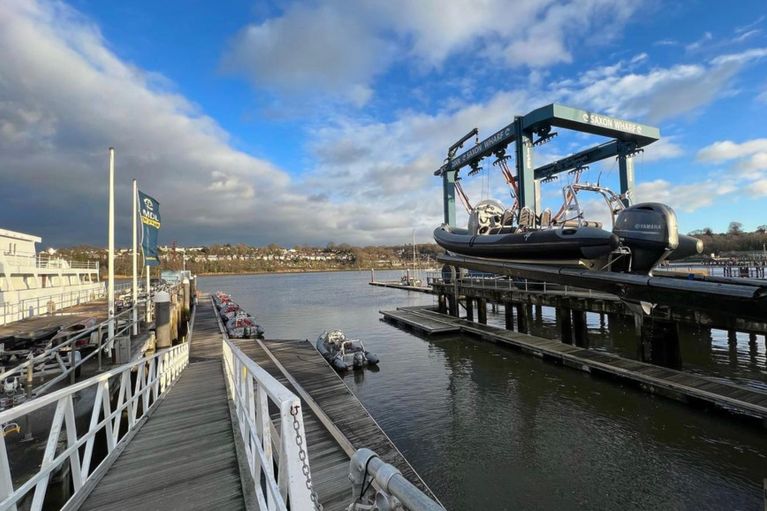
(580, 329)
(508, 309)
(522, 318)
(469, 308)
(565, 325)
(482, 310)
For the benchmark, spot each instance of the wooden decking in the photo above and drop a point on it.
(404, 287)
(309, 375)
(184, 456)
(63, 317)
(429, 326)
(655, 379)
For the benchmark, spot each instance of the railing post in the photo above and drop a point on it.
(162, 319)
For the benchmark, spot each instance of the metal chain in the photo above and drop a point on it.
(303, 457)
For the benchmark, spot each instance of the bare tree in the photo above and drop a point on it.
(735, 228)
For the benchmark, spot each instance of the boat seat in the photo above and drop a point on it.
(508, 217)
(527, 218)
(546, 218)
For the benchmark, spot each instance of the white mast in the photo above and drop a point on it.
(111, 275)
(135, 260)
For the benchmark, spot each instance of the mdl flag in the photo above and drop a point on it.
(150, 226)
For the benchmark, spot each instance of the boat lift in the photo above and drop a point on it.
(535, 128)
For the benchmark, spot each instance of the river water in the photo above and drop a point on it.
(488, 428)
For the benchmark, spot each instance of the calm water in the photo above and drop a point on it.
(491, 429)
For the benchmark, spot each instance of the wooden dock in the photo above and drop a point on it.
(429, 326)
(184, 456)
(62, 318)
(679, 385)
(335, 421)
(404, 287)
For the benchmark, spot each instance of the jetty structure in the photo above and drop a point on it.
(210, 422)
(659, 301)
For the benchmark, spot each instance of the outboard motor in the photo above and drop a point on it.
(650, 231)
(688, 246)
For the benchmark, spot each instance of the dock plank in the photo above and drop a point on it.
(676, 384)
(184, 456)
(327, 389)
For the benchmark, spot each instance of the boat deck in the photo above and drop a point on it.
(63, 317)
(679, 385)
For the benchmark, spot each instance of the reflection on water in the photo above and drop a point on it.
(491, 429)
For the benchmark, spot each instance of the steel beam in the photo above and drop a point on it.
(626, 172)
(585, 157)
(563, 117)
(584, 121)
(448, 196)
(524, 162)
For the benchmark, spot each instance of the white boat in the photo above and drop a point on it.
(32, 284)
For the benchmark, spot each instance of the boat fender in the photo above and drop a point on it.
(372, 358)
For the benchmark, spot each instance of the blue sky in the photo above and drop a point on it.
(311, 122)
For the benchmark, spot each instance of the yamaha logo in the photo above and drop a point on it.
(148, 204)
(647, 226)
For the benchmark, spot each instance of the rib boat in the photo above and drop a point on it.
(344, 353)
(642, 236)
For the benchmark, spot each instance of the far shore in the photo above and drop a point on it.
(297, 270)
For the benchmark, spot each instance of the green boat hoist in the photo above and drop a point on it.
(535, 128)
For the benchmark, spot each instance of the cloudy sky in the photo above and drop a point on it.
(310, 122)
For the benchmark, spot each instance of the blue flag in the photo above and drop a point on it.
(150, 226)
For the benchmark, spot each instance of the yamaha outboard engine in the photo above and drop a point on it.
(649, 230)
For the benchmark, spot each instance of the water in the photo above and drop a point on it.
(492, 429)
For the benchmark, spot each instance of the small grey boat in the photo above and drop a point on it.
(344, 353)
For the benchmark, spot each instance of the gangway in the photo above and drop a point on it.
(196, 426)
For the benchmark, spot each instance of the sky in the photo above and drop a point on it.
(314, 122)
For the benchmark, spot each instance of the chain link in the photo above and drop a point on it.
(303, 457)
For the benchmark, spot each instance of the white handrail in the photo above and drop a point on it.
(122, 319)
(154, 376)
(251, 388)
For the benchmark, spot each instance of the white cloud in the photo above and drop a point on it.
(66, 98)
(749, 161)
(728, 150)
(658, 94)
(688, 197)
(323, 47)
(337, 48)
(663, 149)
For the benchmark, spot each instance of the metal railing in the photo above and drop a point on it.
(154, 376)
(502, 283)
(48, 262)
(392, 487)
(251, 388)
(39, 305)
(40, 364)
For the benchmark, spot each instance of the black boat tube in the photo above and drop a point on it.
(544, 244)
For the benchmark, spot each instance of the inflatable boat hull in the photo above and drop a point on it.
(546, 244)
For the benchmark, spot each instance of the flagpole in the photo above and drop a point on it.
(111, 274)
(148, 295)
(135, 261)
